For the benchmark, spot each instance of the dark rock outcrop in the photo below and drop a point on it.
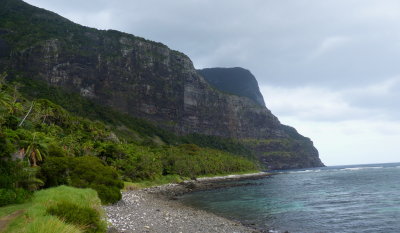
(237, 81)
(136, 76)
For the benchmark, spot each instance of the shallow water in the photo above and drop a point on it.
(364, 198)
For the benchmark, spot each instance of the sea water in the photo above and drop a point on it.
(360, 198)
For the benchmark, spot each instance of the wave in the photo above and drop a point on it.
(303, 171)
(332, 169)
(358, 168)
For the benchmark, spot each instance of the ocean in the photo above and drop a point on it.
(358, 198)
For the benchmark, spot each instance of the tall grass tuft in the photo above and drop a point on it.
(85, 217)
(51, 211)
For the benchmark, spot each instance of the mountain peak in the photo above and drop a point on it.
(236, 80)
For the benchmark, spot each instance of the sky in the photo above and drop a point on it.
(328, 68)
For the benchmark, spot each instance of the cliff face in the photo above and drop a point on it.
(283, 149)
(132, 75)
(235, 80)
(147, 80)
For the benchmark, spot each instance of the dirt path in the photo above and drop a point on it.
(4, 221)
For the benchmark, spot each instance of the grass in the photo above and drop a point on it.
(37, 219)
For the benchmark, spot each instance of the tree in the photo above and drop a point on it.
(36, 151)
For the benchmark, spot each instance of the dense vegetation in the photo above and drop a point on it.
(43, 145)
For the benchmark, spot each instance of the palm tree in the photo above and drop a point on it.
(36, 151)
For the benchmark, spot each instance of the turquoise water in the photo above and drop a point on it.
(363, 198)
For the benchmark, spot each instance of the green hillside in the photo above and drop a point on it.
(44, 145)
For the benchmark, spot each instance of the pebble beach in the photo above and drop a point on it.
(157, 210)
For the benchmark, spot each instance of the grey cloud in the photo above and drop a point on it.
(331, 43)
(383, 98)
(274, 39)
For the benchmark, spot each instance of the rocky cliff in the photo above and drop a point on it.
(237, 81)
(138, 77)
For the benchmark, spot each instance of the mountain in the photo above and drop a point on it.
(237, 81)
(143, 79)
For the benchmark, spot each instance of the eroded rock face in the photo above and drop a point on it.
(144, 79)
(148, 80)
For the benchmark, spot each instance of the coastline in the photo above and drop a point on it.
(156, 209)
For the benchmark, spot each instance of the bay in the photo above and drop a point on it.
(357, 198)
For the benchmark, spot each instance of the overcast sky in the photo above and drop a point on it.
(329, 68)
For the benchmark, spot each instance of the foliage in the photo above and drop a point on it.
(36, 151)
(17, 181)
(83, 172)
(6, 147)
(14, 196)
(187, 160)
(139, 163)
(85, 217)
(81, 152)
(219, 143)
(192, 161)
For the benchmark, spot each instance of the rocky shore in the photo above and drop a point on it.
(157, 210)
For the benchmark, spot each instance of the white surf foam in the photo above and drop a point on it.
(358, 168)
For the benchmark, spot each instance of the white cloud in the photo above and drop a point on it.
(345, 131)
(352, 142)
(371, 101)
(311, 103)
(329, 44)
(386, 10)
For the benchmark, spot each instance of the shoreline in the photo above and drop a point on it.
(173, 190)
(157, 209)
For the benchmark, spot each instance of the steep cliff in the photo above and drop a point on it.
(237, 81)
(289, 151)
(135, 76)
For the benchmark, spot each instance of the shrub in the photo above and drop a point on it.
(17, 180)
(147, 166)
(88, 171)
(192, 161)
(56, 151)
(9, 173)
(140, 163)
(83, 172)
(107, 194)
(6, 148)
(11, 122)
(7, 197)
(14, 196)
(55, 171)
(83, 217)
(18, 174)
